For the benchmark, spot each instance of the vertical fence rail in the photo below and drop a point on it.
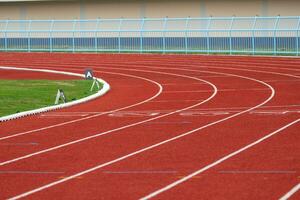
(51, 36)
(73, 35)
(274, 36)
(230, 34)
(28, 36)
(164, 34)
(142, 35)
(119, 37)
(297, 37)
(96, 35)
(5, 36)
(243, 35)
(186, 34)
(253, 35)
(207, 36)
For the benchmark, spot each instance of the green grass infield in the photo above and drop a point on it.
(23, 95)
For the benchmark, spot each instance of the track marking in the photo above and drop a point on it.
(30, 172)
(19, 144)
(133, 114)
(275, 112)
(221, 160)
(204, 113)
(175, 84)
(270, 81)
(257, 172)
(174, 101)
(123, 127)
(141, 172)
(141, 122)
(152, 146)
(291, 192)
(96, 115)
(64, 114)
(221, 90)
(169, 122)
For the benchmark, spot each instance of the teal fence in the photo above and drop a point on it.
(231, 35)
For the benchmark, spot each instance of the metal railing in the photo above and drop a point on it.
(228, 35)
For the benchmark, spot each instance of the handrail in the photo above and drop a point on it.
(203, 35)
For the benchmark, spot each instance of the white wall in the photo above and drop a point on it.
(90, 9)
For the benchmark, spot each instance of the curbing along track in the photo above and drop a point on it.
(104, 90)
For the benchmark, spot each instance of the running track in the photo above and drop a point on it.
(172, 127)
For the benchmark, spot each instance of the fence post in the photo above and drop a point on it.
(141, 35)
(96, 35)
(164, 34)
(28, 36)
(186, 34)
(5, 36)
(207, 35)
(73, 39)
(297, 37)
(51, 36)
(274, 36)
(119, 38)
(230, 34)
(253, 35)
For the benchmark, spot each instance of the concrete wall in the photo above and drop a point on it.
(90, 9)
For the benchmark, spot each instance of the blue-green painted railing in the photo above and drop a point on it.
(231, 35)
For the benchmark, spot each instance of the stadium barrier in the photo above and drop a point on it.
(227, 35)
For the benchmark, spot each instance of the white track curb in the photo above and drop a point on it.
(101, 92)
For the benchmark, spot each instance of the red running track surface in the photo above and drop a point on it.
(172, 127)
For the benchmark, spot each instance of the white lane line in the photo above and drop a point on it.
(174, 101)
(19, 144)
(221, 90)
(281, 108)
(63, 114)
(123, 127)
(257, 172)
(141, 172)
(291, 192)
(270, 65)
(30, 172)
(227, 109)
(96, 115)
(170, 122)
(193, 66)
(174, 84)
(152, 146)
(270, 81)
(186, 178)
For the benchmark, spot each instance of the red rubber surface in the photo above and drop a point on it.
(32, 156)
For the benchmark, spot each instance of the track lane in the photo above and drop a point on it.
(133, 167)
(258, 171)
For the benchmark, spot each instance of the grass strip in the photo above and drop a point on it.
(23, 95)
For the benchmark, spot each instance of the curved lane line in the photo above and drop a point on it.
(219, 161)
(122, 127)
(291, 192)
(152, 146)
(96, 115)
